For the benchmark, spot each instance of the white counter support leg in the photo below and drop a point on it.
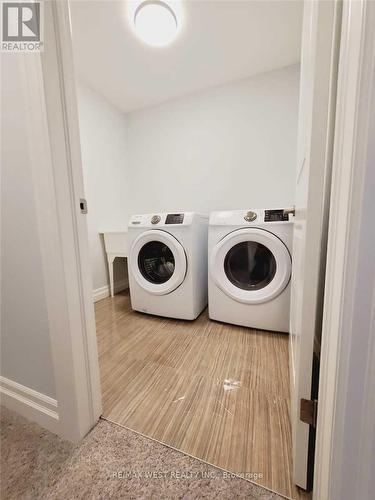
(115, 246)
(110, 268)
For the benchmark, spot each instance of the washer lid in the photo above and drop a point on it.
(251, 265)
(158, 262)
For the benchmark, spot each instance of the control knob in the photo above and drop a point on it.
(250, 216)
(155, 219)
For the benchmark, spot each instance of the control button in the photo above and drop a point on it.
(250, 216)
(155, 219)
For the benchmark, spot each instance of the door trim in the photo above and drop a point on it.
(345, 429)
(57, 176)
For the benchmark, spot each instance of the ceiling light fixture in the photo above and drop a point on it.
(155, 23)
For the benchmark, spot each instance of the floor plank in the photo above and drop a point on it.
(215, 391)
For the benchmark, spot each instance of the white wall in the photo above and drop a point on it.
(25, 343)
(226, 148)
(104, 160)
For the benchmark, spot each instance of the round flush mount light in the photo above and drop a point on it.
(155, 23)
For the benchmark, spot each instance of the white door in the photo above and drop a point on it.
(320, 44)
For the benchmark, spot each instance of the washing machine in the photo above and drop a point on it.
(250, 268)
(167, 264)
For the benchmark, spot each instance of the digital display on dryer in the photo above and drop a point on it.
(174, 219)
(275, 215)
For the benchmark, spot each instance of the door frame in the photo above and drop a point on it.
(83, 396)
(345, 428)
(55, 153)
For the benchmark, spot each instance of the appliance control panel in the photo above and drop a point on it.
(174, 219)
(276, 215)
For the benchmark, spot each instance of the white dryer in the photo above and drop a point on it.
(250, 268)
(168, 264)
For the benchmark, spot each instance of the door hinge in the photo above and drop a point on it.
(83, 205)
(309, 411)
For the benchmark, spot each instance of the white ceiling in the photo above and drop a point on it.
(220, 41)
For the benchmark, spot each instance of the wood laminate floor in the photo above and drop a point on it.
(215, 391)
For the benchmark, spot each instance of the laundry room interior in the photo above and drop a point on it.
(189, 159)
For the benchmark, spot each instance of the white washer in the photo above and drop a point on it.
(250, 268)
(168, 264)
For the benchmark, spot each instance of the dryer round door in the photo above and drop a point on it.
(251, 265)
(158, 262)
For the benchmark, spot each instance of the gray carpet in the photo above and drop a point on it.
(111, 462)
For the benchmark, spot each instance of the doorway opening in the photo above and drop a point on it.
(207, 123)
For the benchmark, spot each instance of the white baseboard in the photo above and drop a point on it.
(30, 404)
(104, 291)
